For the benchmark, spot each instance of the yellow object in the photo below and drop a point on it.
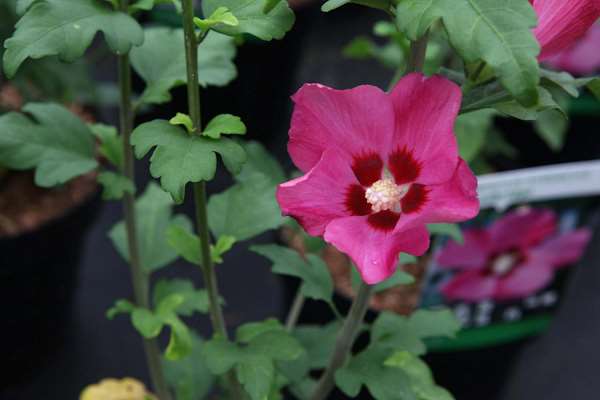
(115, 389)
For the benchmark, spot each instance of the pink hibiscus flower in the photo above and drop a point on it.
(515, 257)
(582, 58)
(378, 167)
(562, 22)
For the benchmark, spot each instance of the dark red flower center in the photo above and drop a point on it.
(384, 199)
(367, 168)
(403, 166)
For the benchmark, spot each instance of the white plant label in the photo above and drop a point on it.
(503, 189)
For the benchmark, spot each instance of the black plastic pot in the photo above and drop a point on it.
(38, 277)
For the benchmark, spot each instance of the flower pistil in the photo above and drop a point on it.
(385, 195)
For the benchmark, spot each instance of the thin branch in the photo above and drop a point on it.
(344, 342)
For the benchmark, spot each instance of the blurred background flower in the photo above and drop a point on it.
(514, 257)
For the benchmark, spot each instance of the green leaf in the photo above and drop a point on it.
(223, 245)
(407, 259)
(593, 85)
(296, 374)
(168, 305)
(452, 230)
(316, 279)
(252, 20)
(146, 323)
(54, 141)
(395, 332)
(516, 110)
(220, 355)
(180, 340)
(115, 185)
(153, 209)
(270, 5)
(318, 341)
(263, 342)
(224, 124)
(185, 243)
(434, 323)
(331, 5)
(229, 213)
(256, 373)
(499, 33)
(497, 144)
(399, 278)
(121, 306)
(183, 119)
(23, 5)
(360, 48)
(471, 132)
(180, 158)
(140, 5)
(193, 300)
(563, 80)
(111, 144)
(66, 28)
(249, 331)
(277, 344)
(260, 162)
(552, 126)
(160, 61)
(221, 15)
(190, 378)
(385, 29)
(419, 375)
(368, 368)
(171, 300)
(484, 96)
(390, 55)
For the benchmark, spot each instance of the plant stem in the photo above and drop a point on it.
(418, 51)
(344, 342)
(208, 270)
(295, 310)
(140, 278)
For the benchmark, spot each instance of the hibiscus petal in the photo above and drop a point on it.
(453, 201)
(583, 58)
(522, 228)
(472, 254)
(426, 109)
(470, 286)
(561, 23)
(526, 279)
(375, 252)
(319, 196)
(565, 249)
(359, 121)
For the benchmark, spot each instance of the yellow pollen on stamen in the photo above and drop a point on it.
(385, 195)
